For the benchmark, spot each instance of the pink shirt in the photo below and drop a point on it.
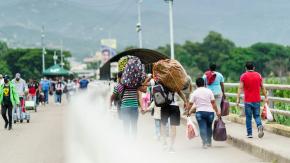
(202, 98)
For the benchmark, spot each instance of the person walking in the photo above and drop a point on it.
(8, 99)
(251, 83)
(116, 98)
(59, 87)
(70, 88)
(32, 89)
(1, 79)
(215, 82)
(203, 99)
(21, 89)
(45, 87)
(84, 83)
(170, 115)
(156, 113)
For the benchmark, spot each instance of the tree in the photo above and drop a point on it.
(28, 62)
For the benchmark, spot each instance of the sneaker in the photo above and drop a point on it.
(209, 145)
(204, 146)
(250, 136)
(260, 131)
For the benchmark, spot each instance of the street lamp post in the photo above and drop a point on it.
(61, 54)
(54, 57)
(171, 27)
(139, 26)
(43, 49)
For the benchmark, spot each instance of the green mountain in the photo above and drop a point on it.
(82, 23)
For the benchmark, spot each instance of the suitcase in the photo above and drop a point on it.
(30, 105)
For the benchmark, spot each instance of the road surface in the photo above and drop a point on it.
(86, 131)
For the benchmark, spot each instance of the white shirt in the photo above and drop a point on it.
(202, 98)
(20, 86)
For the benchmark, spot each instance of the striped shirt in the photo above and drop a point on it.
(130, 97)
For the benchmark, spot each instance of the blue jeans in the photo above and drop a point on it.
(205, 120)
(58, 98)
(252, 109)
(45, 92)
(130, 118)
(157, 127)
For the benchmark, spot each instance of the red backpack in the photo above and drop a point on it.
(210, 77)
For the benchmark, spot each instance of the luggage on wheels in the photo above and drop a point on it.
(20, 114)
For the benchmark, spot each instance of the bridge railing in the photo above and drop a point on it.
(270, 88)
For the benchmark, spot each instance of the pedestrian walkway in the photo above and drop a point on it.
(96, 136)
(271, 147)
(40, 141)
(86, 131)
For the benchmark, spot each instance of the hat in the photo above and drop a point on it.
(1, 76)
(6, 77)
(17, 75)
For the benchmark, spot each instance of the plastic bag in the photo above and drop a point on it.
(146, 100)
(266, 113)
(219, 130)
(191, 131)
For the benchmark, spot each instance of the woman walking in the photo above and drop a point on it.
(204, 100)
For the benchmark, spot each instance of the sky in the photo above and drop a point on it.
(85, 22)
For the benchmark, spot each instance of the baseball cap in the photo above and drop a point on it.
(1, 76)
(17, 75)
(6, 77)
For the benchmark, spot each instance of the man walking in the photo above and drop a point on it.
(84, 83)
(21, 89)
(45, 87)
(8, 99)
(215, 82)
(251, 83)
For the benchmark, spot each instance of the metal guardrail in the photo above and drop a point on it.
(272, 100)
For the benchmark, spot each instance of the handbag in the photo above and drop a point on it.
(219, 130)
(225, 107)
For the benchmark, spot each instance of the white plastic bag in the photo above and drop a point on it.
(266, 114)
(191, 131)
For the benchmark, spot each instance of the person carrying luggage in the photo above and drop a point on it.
(215, 82)
(203, 98)
(32, 89)
(170, 113)
(251, 83)
(8, 99)
(21, 89)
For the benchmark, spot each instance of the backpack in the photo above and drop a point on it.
(162, 96)
(210, 77)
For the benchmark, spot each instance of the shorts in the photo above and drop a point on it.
(172, 112)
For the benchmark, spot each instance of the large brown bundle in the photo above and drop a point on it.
(171, 74)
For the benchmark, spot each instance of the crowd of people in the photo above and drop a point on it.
(204, 101)
(14, 92)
